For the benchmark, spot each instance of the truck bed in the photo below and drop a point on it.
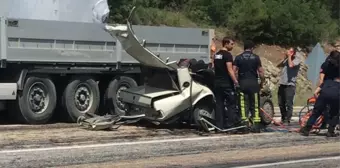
(41, 41)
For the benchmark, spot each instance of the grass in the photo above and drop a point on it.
(157, 17)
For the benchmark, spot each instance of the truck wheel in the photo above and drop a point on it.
(111, 96)
(204, 112)
(36, 103)
(268, 106)
(81, 96)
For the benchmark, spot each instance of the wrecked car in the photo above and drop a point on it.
(172, 91)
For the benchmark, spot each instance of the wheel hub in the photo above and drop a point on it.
(204, 113)
(37, 97)
(82, 98)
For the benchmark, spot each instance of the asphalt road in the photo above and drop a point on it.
(273, 149)
(217, 151)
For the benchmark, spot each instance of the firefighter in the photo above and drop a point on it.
(249, 68)
(325, 74)
(328, 93)
(224, 89)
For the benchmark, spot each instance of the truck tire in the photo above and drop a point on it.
(81, 96)
(268, 106)
(113, 105)
(37, 101)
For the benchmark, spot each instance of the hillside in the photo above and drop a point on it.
(270, 57)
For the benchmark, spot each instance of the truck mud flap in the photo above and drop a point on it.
(106, 122)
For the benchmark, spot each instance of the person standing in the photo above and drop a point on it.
(224, 89)
(287, 84)
(249, 69)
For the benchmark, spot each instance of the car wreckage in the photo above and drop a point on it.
(177, 91)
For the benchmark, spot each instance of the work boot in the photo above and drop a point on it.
(244, 130)
(331, 133)
(305, 130)
(331, 127)
(255, 128)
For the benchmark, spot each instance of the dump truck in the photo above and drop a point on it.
(50, 66)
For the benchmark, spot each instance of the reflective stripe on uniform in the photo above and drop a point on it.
(257, 111)
(242, 107)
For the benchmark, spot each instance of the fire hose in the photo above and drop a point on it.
(316, 126)
(278, 123)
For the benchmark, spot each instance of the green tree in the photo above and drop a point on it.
(265, 21)
(218, 11)
(297, 22)
(248, 19)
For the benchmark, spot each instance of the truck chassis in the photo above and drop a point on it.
(51, 67)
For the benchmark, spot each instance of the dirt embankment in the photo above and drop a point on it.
(271, 56)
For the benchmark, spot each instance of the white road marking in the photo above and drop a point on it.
(290, 162)
(118, 144)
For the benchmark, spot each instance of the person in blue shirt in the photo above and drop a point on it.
(249, 69)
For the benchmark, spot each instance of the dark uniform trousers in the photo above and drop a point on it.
(226, 114)
(286, 95)
(329, 96)
(249, 100)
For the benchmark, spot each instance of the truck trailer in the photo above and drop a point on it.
(47, 64)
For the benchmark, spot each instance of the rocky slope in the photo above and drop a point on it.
(304, 86)
(272, 72)
(270, 57)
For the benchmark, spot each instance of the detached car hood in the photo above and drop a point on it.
(133, 47)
